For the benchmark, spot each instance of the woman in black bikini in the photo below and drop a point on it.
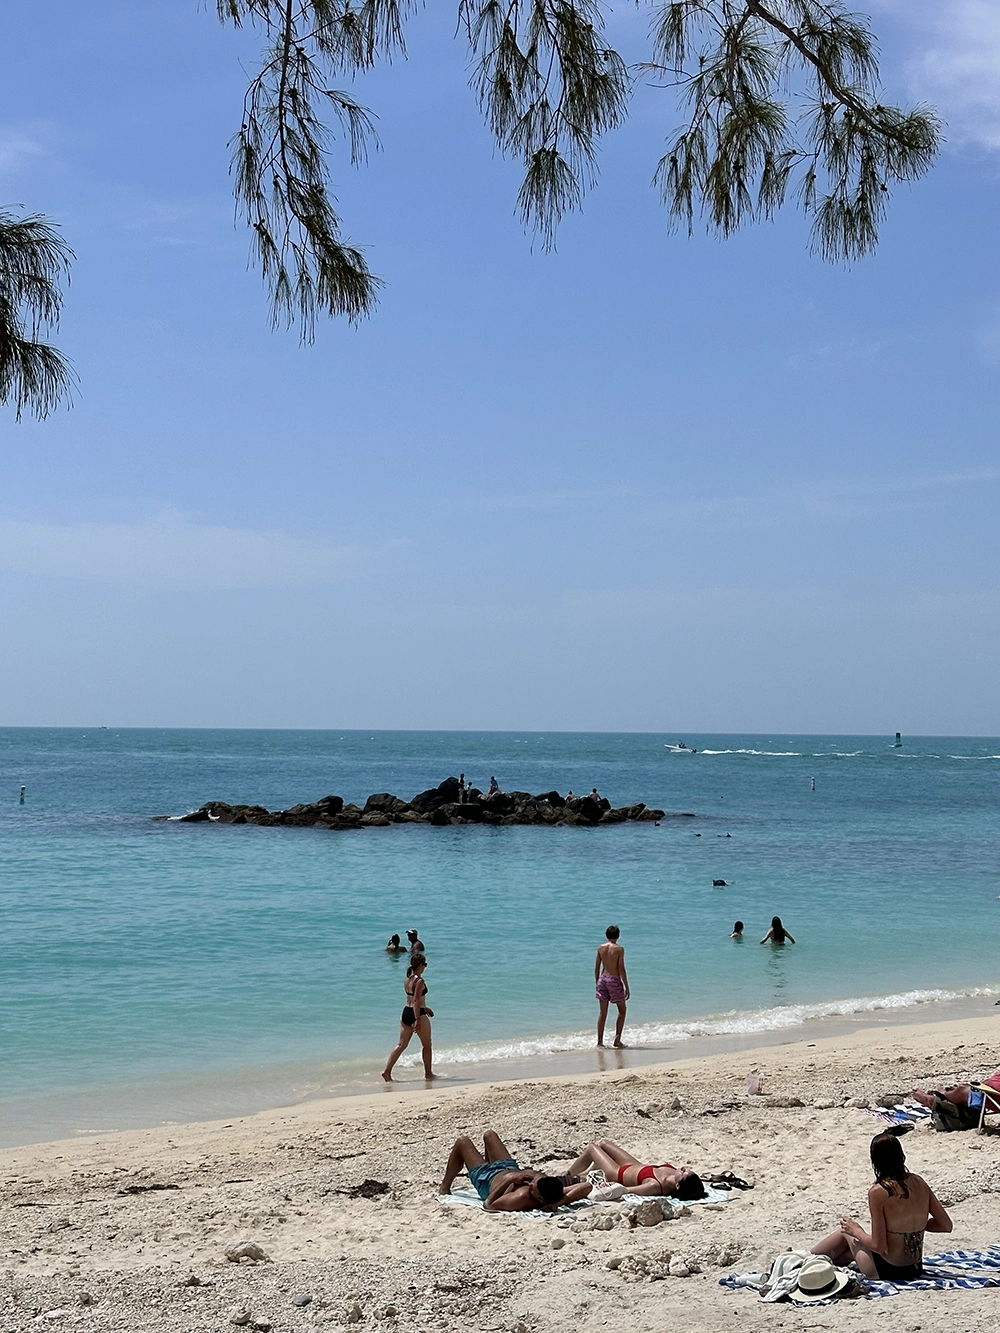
(902, 1208)
(416, 992)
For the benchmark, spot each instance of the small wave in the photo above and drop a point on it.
(775, 754)
(734, 1021)
(836, 754)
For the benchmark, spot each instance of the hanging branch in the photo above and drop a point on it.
(550, 87)
(34, 376)
(776, 89)
(280, 155)
(735, 158)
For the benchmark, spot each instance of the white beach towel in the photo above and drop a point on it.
(468, 1197)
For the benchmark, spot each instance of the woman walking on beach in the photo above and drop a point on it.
(415, 1018)
(777, 934)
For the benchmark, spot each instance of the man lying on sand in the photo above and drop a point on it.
(959, 1094)
(621, 1168)
(501, 1184)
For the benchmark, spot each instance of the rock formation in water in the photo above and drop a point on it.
(439, 805)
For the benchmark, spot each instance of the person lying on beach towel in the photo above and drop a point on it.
(502, 1185)
(950, 1106)
(902, 1207)
(621, 1168)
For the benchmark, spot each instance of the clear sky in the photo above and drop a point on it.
(643, 483)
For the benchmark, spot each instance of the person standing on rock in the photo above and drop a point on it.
(415, 1018)
(461, 788)
(611, 980)
(494, 787)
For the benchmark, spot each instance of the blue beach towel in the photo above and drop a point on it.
(954, 1270)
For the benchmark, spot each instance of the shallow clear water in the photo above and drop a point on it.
(138, 950)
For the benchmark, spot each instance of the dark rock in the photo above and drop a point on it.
(445, 794)
(461, 813)
(376, 820)
(614, 816)
(604, 803)
(352, 809)
(343, 821)
(331, 804)
(634, 811)
(438, 817)
(589, 811)
(500, 803)
(648, 815)
(195, 817)
(384, 803)
(552, 797)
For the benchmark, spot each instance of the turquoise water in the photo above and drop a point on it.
(134, 950)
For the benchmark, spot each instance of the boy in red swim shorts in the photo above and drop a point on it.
(611, 980)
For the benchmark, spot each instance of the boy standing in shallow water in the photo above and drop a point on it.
(612, 983)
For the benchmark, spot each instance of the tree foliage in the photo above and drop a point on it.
(33, 260)
(776, 95)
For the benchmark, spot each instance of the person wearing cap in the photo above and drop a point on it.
(416, 943)
(902, 1207)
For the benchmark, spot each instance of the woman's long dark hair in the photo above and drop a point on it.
(416, 960)
(779, 930)
(889, 1161)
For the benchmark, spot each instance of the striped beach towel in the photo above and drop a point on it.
(954, 1270)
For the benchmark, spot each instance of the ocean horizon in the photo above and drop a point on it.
(152, 970)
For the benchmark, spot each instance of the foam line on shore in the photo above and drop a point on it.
(734, 1021)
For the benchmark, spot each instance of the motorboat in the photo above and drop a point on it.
(680, 748)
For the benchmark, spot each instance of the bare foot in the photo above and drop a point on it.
(428, 1077)
(600, 1045)
(444, 1188)
(924, 1098)
(620, 1046)
(387, 1077)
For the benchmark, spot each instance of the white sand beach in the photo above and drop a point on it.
(130, 1230)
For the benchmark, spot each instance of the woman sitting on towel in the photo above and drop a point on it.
(902, 1208)
(621, 1168)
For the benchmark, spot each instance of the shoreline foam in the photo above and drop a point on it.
(199, 1096)
(130, 1231)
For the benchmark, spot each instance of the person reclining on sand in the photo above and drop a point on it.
(503, 1186)
(621, 1168)
(902, 1207)
(959, 1094)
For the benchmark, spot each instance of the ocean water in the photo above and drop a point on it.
(161, 956)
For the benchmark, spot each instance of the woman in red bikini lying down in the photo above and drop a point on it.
(621, 1168)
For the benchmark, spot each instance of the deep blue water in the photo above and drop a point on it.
(132, 949)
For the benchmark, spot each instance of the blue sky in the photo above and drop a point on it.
(645, 482)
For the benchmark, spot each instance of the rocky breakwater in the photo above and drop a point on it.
(438, 805)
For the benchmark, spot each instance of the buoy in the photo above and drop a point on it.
(21, 801)
(812, 783)
(899, 742)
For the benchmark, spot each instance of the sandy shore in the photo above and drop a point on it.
(129, 1231)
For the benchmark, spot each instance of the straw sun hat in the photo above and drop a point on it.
(818, 1281)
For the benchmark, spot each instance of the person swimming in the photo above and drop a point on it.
(777, 934)
(394, 945)
(737, 931)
